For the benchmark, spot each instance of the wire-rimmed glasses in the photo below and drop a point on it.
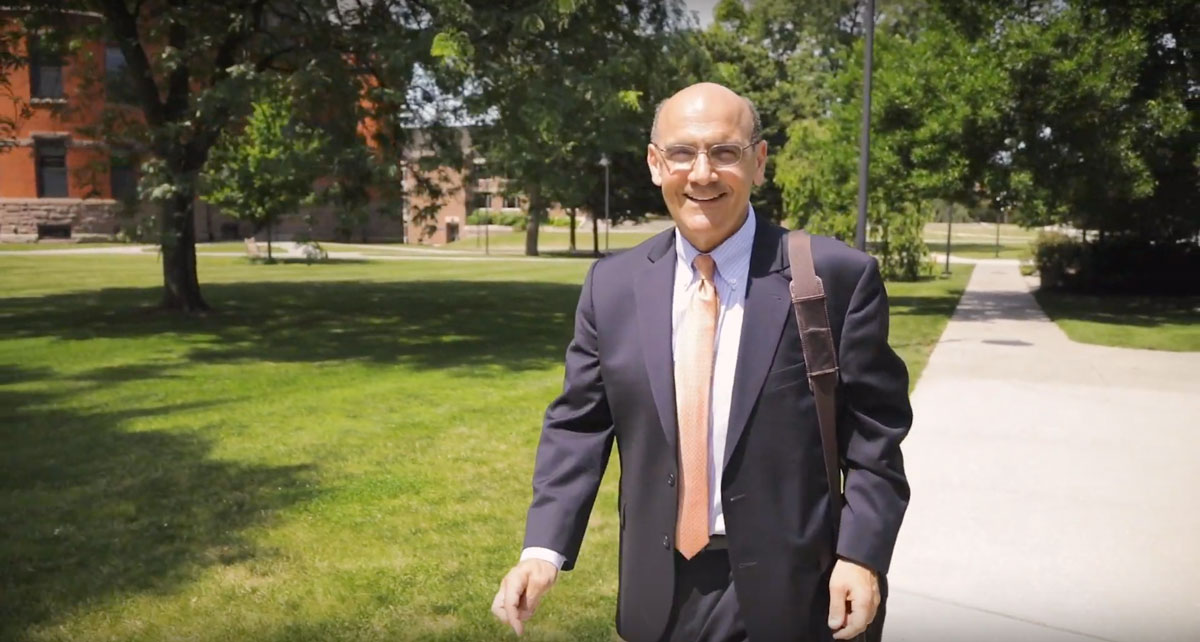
(681, 157)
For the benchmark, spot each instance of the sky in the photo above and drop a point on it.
(703, 8)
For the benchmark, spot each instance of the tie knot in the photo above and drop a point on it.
(705, 265)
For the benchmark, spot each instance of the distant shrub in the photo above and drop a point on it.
(496, 217)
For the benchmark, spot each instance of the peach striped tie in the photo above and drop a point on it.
(693, 386)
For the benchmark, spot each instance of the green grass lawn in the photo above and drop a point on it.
(549, 241)
(339, 452)
(980, 250)
(919, 314)
(1155, 323)
(978, 240)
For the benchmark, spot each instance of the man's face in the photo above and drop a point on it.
(707, 201)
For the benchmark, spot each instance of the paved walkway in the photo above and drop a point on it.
(1056, 485)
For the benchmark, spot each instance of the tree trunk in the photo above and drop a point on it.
(535, 218)
(572, 230)
(270, 229)
(595, 235)
(181, 288)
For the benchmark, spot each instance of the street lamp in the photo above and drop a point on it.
(487, 214)
(607, 221)
(864, 145)
(403, 202)
(949, 228)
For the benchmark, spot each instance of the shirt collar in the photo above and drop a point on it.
(732, 256)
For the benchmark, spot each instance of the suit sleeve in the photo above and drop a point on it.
(576, 440)
(874, 418)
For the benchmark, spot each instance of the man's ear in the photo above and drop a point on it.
(760, 163)
(652, 162)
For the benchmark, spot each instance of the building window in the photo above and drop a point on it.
(122, 175)
(53, 231)
(483, 200)
(118, 82)
(51, 163)
(512, 202)
(45, 70)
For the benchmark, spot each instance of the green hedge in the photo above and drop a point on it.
(517, 220)
(1118, 265)
(497, 217)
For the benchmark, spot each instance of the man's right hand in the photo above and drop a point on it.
(521, 590)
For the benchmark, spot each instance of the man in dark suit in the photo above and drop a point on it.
(687, 354)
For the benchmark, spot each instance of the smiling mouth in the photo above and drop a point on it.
(709, 199)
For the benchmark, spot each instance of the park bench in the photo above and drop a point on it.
(252, 250)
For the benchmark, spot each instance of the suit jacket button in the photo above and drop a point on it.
(671, 479)
(667, 542)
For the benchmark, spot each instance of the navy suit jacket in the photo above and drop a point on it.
(619, 386)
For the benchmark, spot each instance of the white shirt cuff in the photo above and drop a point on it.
(544, 554)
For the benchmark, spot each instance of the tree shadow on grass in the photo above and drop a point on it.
(941, 305)
(92, 511)
(425, 324)
(1143, 311)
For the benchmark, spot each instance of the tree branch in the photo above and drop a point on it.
(179, 81)
(124, 27)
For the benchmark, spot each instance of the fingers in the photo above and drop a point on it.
(837, 606)
(534, 592)
(521, 591)
(506, 604)
(862, 611)
(514, 593)
(853, 601)
(498, 605)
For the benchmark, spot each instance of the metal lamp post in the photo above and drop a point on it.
(604, 162)
(949, 228)
(403, 202)
(864, 148)
(487, 214)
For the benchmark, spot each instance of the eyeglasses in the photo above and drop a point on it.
(681, 157)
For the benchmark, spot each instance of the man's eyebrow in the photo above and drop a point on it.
(737, 140)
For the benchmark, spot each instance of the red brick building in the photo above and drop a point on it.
(57, 181)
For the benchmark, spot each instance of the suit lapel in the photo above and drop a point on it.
(768, 303)
(653, 289)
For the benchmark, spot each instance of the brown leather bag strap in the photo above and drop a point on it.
(820, 356)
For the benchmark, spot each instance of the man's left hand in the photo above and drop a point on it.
(853, 599)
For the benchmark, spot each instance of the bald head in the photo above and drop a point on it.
(706, 154)
(708, 97)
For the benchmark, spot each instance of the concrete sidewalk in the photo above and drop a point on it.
(1054, 484)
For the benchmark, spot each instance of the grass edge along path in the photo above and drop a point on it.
(1142, 322)
(338, 452)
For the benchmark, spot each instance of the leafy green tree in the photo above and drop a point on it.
(557, 83)
(935, 100)
(783, 55)
(403, 104)
(266, 170)
(1101, 126)
(192, 66)
(13, 108)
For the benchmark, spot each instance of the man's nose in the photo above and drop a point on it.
(702, 171)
